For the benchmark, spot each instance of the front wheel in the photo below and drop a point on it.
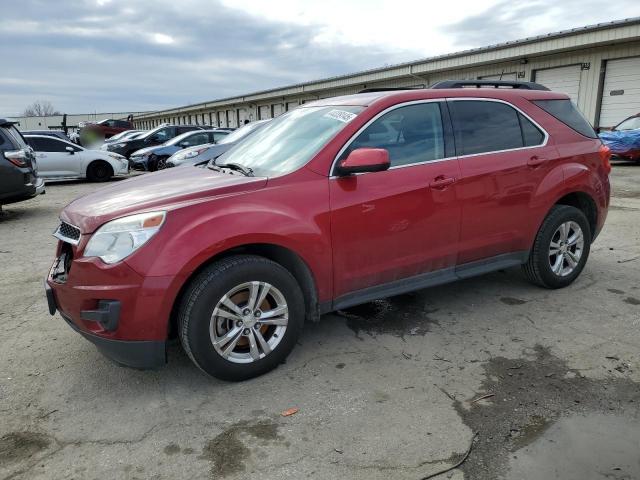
(241, 317)
(99, 171)
(561, 248)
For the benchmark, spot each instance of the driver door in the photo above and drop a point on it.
(389, 228)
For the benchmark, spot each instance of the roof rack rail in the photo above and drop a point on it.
(489, 83)
(388, 89)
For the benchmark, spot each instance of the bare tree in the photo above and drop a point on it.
(40, 108)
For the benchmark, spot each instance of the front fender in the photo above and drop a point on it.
(194, 234)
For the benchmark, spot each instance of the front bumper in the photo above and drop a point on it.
(124, 314)
(139, 163)
(143, 354)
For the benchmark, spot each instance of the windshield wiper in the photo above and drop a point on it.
(246, 171)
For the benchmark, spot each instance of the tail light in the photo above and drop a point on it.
(605, 156)
(17, 157)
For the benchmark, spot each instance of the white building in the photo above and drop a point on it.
(598, 66)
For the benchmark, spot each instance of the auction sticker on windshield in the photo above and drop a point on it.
(340, 115)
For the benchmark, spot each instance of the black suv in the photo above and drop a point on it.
(18, 170)
(150, 139)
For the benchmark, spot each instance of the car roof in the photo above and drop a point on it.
(369, 98)
(48, 137)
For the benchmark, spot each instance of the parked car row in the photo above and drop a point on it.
(335, 203)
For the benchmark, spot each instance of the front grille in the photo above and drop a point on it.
(68, 233)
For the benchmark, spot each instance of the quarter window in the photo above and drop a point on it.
(411, 134)
(482, 126)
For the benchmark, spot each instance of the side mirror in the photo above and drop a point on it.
(363, 160)
(70, 150)
(184, 144)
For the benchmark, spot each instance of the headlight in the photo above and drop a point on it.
(191, 154)
(117, 239)
(117, 157)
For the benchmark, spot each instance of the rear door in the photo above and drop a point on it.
(503, 158)
(390, 226)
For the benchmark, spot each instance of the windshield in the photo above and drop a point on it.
(291, 140)
(242, 132)
(180, 138)
(151, 132)
(632, 123)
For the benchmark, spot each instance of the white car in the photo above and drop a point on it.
(58, 159)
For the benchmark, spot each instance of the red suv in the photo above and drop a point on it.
(333, 204)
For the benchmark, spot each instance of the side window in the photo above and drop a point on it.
(216, 137)
(197, 139)
(531, 135)
(182, 130)
(163, 135)
(411, 134)
(484, 126)
(34, 143)
(52, 145)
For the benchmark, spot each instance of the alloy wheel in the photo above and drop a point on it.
(249, 322)
(565, 249)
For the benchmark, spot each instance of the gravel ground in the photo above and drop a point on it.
(386, 390)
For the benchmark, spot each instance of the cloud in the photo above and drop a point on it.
(119, 56)
(513, 20)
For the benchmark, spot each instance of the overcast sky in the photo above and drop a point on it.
(127, 55)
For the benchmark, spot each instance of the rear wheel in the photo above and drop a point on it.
(241, 317)
(99, 171)
(561, 248)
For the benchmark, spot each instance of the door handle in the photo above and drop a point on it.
(441, 182)
(536, 161)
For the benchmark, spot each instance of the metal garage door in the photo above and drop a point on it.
(507, 77)
(242, 115)
(278, 109)
(562, 79)
(621, 92)
(291, 105)
(265, 112)
(231, 118)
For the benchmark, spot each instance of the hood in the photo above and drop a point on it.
(213, 151)
(144, 150)
(164, 190)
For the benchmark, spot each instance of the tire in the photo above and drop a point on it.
(565, 268)
(99, 171)
(199, 326)
(160, 163)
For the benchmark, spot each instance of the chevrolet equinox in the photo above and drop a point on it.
(336, 203)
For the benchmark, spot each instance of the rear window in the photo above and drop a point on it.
(15, 136)
(567, 113)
